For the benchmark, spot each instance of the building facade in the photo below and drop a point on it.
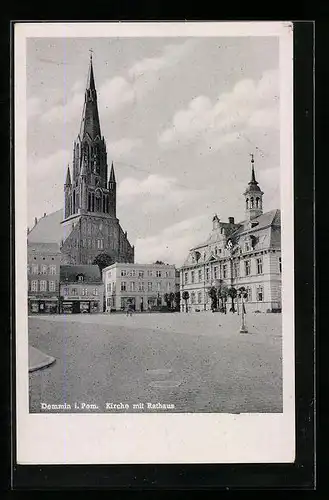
(245, 254)
(43, 271)
(144, 286)
(90, 224)
(81, 289)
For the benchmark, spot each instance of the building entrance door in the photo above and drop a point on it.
(76, 307)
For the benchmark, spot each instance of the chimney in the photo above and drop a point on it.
(44, 214)
(231, 220)
(35, 221)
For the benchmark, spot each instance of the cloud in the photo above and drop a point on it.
(119, 91)
(249, 104)
(173, 243)
(123, 147)
(154, 193)
(45, 178)
(33, 107)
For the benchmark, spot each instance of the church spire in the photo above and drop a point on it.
(90, 120)
(253, 195)
(253, 178)
(68, 177)
(112, 175)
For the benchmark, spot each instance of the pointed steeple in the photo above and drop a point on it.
(68, 177)
(253, 195)
(90, 119)
(253, 178)
(112, 175)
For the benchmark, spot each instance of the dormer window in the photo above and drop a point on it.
(80, 277)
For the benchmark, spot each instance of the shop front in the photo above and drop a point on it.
(43, 306)
(80, 306)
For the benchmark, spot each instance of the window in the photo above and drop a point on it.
(168, 286)
(84, 291)
(158, 274)
(52, 286)
(80, 277)
(65, 291)
(200, 275)
(100, 244)
(158, 286)
(123, 272)
(149, 286)
(132, 286)
(185, 278)
(280, 265)
(35, 268)
(43, 286)
(34, 286)
(207, 274)
(193, 298)
(192, 276)
(224, 271)
(247, 267)
(236, 269)
(149, 272)
(141, 274)
(74, 291)
(259, 293)
(259, 263)
(167, 274)
(108, 287)
(249, 294)
(108, 301)
(247, 246)
(123, 286)
(199, 297)
(141, 286)
(44, 269)
(52, 269)
(215, 272)
(95, 291)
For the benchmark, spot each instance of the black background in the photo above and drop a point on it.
(301, 474)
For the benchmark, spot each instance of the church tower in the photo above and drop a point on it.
(89, 196)
(253, 196)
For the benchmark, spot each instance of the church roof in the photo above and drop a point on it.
(91, 273)
(90, 119)
(48, 229)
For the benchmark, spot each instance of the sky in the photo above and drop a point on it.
(180, 117)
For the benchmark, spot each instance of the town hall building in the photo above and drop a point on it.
(244, 254)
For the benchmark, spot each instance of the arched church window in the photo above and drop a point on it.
(89, 202)
(247, 203)
(73, 196)
(251, 203)
(98, 196)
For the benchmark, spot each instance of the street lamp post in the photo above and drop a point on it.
(243, 328)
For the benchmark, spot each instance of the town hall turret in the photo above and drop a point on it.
(90, 223)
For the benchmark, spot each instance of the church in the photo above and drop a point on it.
(244, 254)
(88, 227)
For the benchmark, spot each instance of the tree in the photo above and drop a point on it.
(159, 262)
(185, 296)
(103, 260)
(232, 293)
(222, 292)
(167, 299)
(172, 300)
(177, 301)
(212, 292)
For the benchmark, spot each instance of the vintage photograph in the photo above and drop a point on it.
(154, 230)
(154, 241)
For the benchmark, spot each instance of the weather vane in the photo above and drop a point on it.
(252, 157)
(91, 53)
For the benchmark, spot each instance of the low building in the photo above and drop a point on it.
(244, 254)
(144, 286)
(81, 289)
(43, 271)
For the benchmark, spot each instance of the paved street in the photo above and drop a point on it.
(198, 362)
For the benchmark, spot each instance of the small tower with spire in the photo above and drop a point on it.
(67, 193)
(112, 193)
(253, 195)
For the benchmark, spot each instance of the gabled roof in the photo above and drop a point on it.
(91, 273)
(48, 229)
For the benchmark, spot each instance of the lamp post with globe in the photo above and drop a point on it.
(243, 295)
